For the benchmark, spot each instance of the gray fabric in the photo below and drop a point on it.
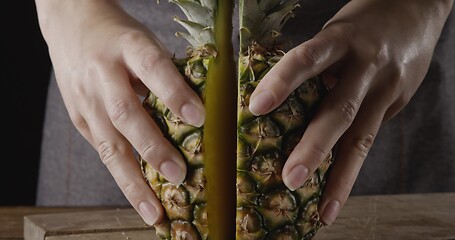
(70, 171)
(414, 152)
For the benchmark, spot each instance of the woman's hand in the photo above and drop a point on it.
(102, 59)
(379, 51)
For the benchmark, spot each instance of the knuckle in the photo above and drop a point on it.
(139, 43)
(96, 59)
(151, 60)
(152, 151)
(382, 57)
(343, 31)
(131, 190)
(79, 88)
(396, 76)
(378, 56)
(307, 56)
(132, 38)
(172, 96)
(394, 84)
(317, 155)
(108, 152)
(78, 121)
(120, 110)
(363, 145)
(371, 52)
(281, 81)
(347, 111)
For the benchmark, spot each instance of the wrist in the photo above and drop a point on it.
(57, 14)
(445, 6)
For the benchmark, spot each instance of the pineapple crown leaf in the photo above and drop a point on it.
(200, 21)
(195, 12)
(198, 35)
(262, 20)
(210, 4)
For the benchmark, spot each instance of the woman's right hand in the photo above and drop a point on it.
(103, 58)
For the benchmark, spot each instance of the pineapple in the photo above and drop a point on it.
(238, 193)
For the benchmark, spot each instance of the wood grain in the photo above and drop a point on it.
(40, 227)
(413, 216)
(12, 218)
(131, 235)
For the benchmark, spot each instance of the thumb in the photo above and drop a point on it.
(299, 64)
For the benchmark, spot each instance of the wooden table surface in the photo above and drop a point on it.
(410, 216)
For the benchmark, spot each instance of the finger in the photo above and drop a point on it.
(118, 156)
(155, 68)
(334, 116)
(130, 118)
(352, 151)
(299, 64)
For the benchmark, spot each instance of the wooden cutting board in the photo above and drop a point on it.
(121, 224)
(411, 216)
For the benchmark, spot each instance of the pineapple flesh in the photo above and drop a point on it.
(238, 193)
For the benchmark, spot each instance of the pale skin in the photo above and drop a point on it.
(102, 59)
(379, 51)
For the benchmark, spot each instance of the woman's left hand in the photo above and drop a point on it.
(380, 51)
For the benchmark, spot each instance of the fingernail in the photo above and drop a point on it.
(296, 177)
(330, 212)
(172, 172)
(261, 103)
(148, 212)
(192, 114)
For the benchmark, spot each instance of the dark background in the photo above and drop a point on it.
(24, 71)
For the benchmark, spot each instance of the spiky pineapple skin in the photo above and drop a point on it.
(184, 205)
(266, 208)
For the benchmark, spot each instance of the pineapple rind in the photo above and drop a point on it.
(184, 205)
(266, 209)
(264, 144)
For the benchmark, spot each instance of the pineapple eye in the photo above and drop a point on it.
(234, 187)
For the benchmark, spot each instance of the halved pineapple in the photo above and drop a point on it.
(238, 193)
